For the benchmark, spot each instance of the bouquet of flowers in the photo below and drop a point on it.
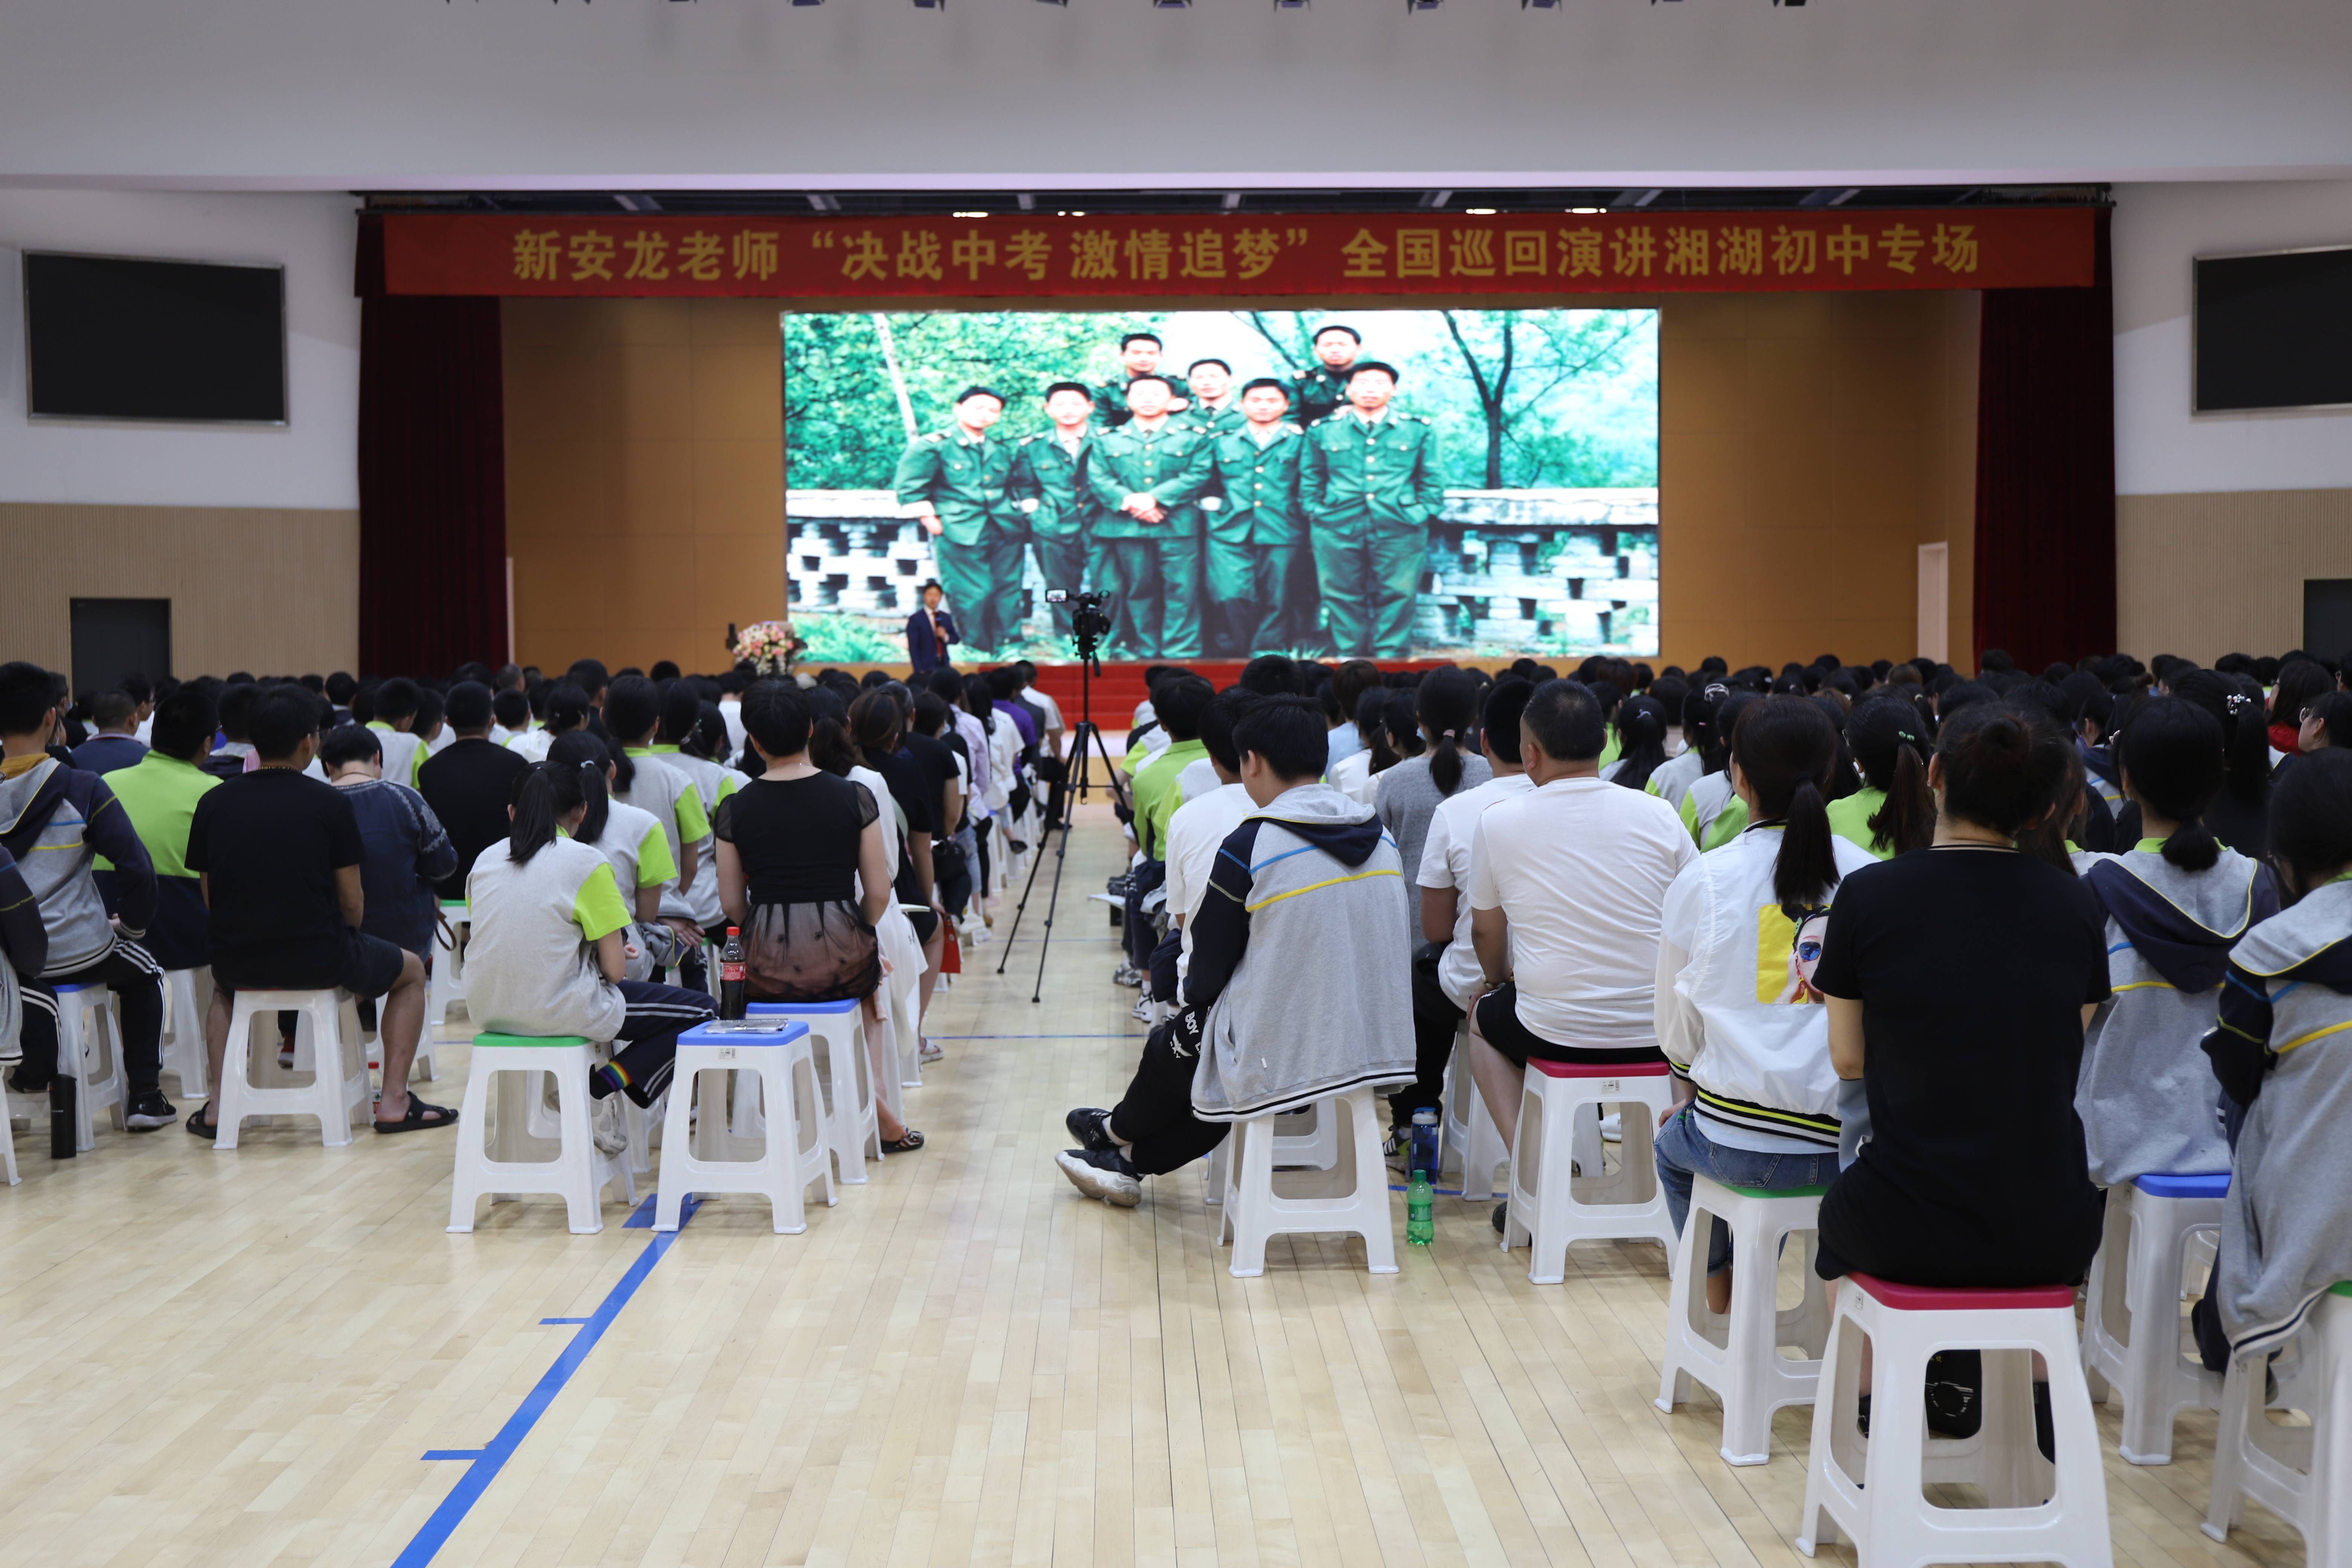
(769, 645)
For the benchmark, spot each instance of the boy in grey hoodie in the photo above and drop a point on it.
(1301, 982)
(55, 820)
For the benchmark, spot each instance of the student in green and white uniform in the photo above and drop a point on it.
(1672, 778)
(633, 717)
(692, 735)
(1884, 734)
(550, 949)
(1713, 812)
(396, 704)
(632, 843)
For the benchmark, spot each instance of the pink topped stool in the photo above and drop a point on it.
(1550, 1206)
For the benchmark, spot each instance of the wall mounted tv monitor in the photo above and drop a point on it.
(115, 337)
(2273, 331)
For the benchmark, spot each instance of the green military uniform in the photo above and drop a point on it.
(1261, 581)
(1319, 394)
(1110, 398)
(1370, 489)
(1154, 568)
(962, 476)
(1049, 483)
(1216, 421)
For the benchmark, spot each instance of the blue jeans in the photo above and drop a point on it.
(1684, 1151)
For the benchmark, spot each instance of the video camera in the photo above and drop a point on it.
(1089, 618)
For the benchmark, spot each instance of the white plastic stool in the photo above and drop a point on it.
(851, 1127)
(1557, 1110)
(183, 1034)
(2304, 1476)
(90, 1050)
(579, 1171)
(335, 1088)
(1471, 1139)
(2036, 1513)
(2131, 1318)
(444, 987)
(1748, 1372)
(1352, 1197)
(794, 1153)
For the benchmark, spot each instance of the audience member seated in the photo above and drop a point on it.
(1345, 689)
(1196, 833)
(404, 851)
(1180, 701)
(632, 843)
(2239, 815)
(1892, 814)
(467, 784)
(1710, 811)
(282, 857)
(396, 705)
(549, 953)
(1640, 728)
(1445, 964)
(2283, 1239)
(877, 727)
(160, 796)
(1445, 712)
(24, 949)
(633, 717)
(233, 755)
(1672, 779)
(2175, 905)
(804, 872)
(692, 740)
(1737, 1014)
(1297, 985)
(1959, 982)
(1351, 772)
(55, 821)
(2326, 722)
(114, 743)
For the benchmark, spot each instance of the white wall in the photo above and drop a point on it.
(312, 462)
(482, 93)
(2161, 448)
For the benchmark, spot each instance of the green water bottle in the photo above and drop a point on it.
(1420, 1223)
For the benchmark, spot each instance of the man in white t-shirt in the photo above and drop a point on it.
(1567, 887)
(1194, 833)
(1446, 972)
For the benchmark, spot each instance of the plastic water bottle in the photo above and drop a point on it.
(1420, 1219)
(1424, 1142)
(731, 975)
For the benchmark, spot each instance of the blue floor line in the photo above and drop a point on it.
(483, 1464)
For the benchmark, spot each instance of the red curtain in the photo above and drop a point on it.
(433, 478)
(2045, 552)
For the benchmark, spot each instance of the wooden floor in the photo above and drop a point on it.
(239, 1358)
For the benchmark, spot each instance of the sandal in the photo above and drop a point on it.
(907, 1143)
(415, 1118)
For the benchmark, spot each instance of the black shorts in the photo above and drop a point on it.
(1498, 1021)
(369, 967)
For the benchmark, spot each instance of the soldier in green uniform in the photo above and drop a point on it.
(1147, 476)
(1139, 356)
(1260, 583)
(953, 481)
(1370, 489)
(1323, 390)
(1049, 484)
(1214, 407)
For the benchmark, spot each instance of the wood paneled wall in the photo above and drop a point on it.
(645, 476)
(1811, 444)
(2202, 576)
(271, 590)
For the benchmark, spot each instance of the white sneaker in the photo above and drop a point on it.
(605, 1127)
(1612, 1127)
(1143, 1011)
(1126, 975)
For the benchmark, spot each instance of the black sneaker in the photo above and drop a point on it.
(1102, 1174)
(1502, 1217)
(151, 1110)
(1086, 1123)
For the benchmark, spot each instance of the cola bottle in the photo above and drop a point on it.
(731, 975)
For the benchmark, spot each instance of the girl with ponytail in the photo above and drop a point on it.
(551, 939)
(1892, 814)
(1672, 781)
(2239, 815)
(2175, 904)
(1640, 743)
(1739, 1016)
(1711, 807)
(631, 841)
(1445, 709)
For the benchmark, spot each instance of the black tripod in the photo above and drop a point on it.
(1073, 789)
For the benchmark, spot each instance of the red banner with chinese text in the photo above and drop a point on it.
(1024, 254)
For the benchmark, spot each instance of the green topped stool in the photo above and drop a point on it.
(514, 1162)
(1746, 1371)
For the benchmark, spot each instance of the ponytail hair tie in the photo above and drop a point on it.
(1445, 735)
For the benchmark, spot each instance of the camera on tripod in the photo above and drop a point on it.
(1089, 618)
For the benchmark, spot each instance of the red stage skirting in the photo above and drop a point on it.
(1120, 687)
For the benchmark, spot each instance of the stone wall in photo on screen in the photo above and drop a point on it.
(1543, 572)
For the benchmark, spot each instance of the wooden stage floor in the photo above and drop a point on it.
(239, 1359)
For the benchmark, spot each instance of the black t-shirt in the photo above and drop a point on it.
(1973, 967)
(797, 838)
(937, 763)
(906, 778)
(469, 786)
(269, 843)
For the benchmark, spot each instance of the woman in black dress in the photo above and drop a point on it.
(804, 872)
(1959, 980)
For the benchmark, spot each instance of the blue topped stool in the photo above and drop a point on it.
(2131, 1318)
(794, 1153)
(852, 1130)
